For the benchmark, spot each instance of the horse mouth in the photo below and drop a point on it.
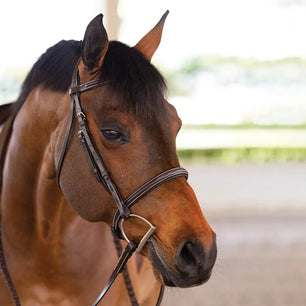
(160, 270)
(170, 276)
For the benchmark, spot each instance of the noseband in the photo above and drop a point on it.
(100, 172)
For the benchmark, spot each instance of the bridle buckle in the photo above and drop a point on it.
(146, 236)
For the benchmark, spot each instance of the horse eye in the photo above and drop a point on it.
(115, 133)
(112, 135)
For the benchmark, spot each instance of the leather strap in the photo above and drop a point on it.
(125, 274)
(121, 267)
(6, 274)
(146, 188)
(87, 86)
(161, 295)
(125, 255)
(97, 163)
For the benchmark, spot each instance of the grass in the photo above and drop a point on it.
(243, 126)
(281, 143)
(232, 155)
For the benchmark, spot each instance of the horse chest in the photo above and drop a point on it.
(42, 296)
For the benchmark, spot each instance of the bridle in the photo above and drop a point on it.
(100, 172)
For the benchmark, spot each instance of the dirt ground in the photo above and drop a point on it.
(261, 245)
(261, 261)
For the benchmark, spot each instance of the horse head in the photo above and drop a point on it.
(133, 129)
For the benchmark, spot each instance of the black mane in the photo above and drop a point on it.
(53, 69)
(135, 79)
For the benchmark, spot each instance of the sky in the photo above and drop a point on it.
(264, 29)
(246, 28)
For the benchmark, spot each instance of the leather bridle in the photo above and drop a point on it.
(100, 172)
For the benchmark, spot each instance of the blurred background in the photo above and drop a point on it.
(236, 72)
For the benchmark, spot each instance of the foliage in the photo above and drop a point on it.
(232, 155)
(10, 83)
(243, 126)
(232, 70)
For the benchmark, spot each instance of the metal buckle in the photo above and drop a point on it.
(81, 116)
(146, 236)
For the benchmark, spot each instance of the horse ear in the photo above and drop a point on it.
(150, 42)
(95, 44)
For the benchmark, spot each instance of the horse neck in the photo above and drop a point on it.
(31, 202)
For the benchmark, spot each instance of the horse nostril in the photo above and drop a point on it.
(190, 257)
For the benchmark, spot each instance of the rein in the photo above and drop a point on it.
(100, 172)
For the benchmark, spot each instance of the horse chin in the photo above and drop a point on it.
(168, 275)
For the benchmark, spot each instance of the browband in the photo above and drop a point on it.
(87, 86)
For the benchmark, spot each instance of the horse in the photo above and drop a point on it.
(89, 145)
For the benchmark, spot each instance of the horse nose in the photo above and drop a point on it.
(194, 262)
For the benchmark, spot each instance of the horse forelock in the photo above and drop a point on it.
(138, 83)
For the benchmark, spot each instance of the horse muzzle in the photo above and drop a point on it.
(192, 264)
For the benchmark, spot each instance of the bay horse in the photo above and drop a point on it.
(55, 215)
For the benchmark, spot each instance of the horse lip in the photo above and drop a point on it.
(159, 265)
